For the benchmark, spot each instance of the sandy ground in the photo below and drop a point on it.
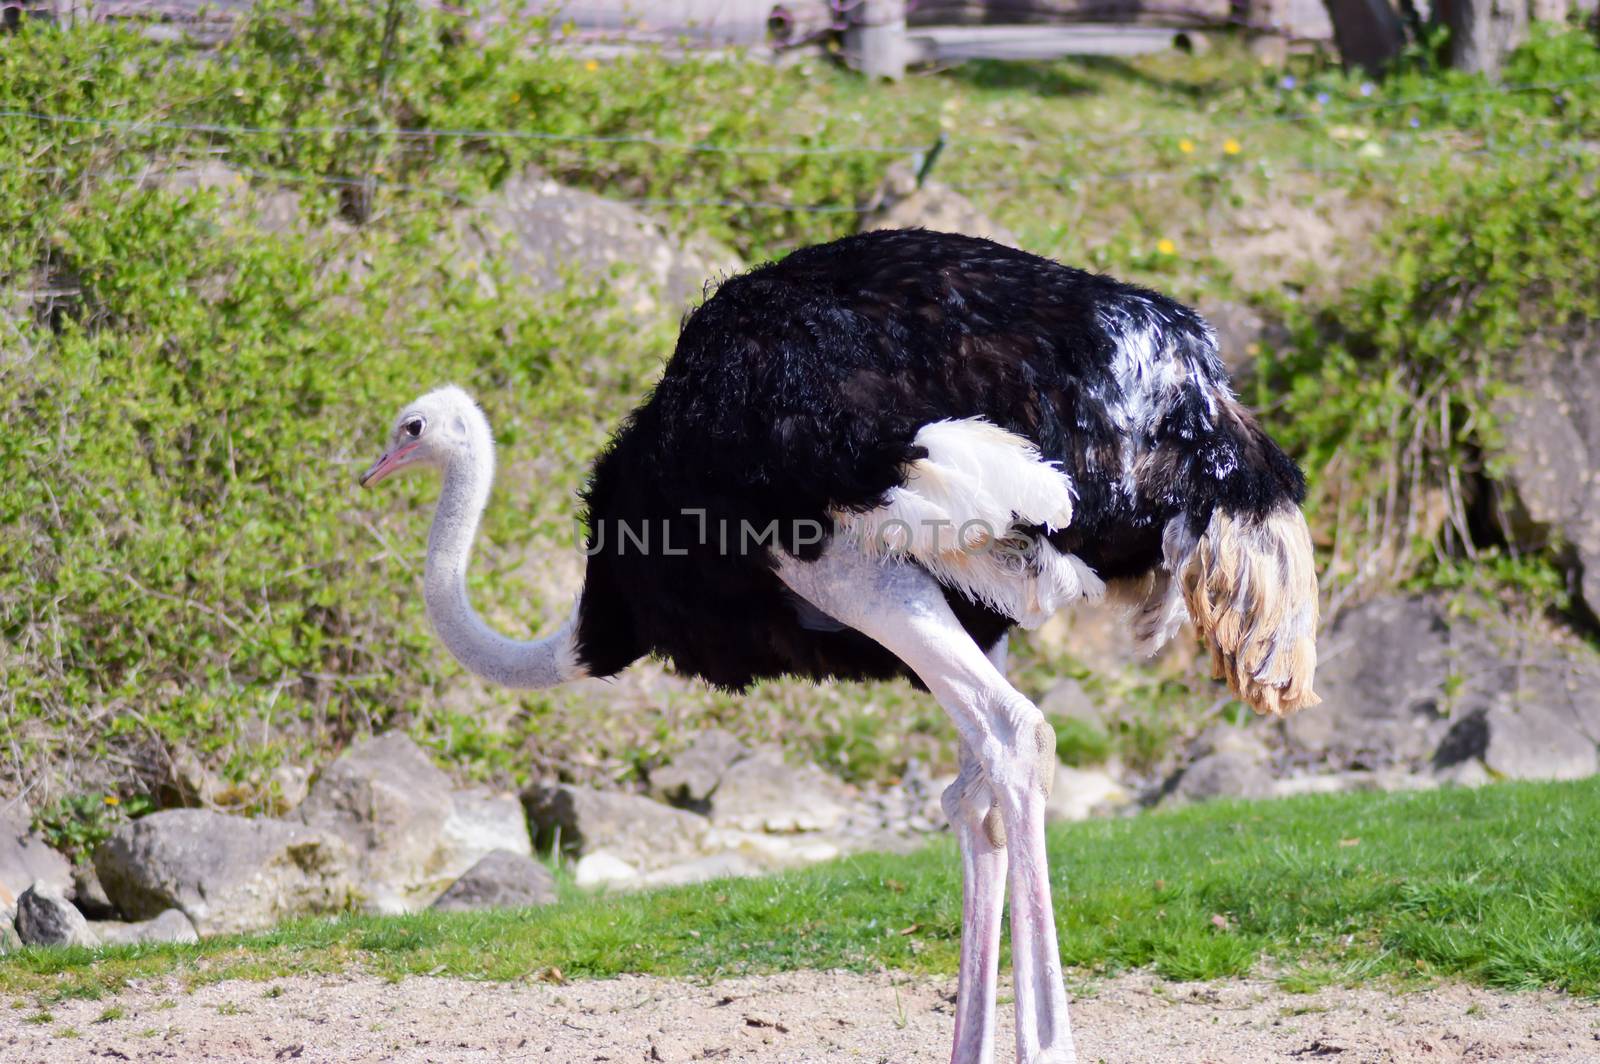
(801, 1017)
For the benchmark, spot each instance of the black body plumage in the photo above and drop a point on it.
(798, 389)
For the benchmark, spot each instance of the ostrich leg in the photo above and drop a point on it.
(970, 808)
(903, 608)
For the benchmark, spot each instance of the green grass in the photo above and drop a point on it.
(1495, 885)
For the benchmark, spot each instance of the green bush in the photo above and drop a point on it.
(320, 72)
(1386, 393)
(76, 824)
(187, 558)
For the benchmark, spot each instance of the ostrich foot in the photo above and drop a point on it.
(1057, 1055)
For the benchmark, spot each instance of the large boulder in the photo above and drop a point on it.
(500, 880)
(1079, 793)
(482, 822)
(1536, 742)
(1549, 423)
(763, 792)
(243, 202)
(749, 789)
(46, 918)
(703, 870)
(1223, 774)
(89, 894)
(641, 833)
(1542, 723)
(692, 776)
(170, 926)
(1385, 672)
(25, 858)
(412, 834)
(1410, 682)
(226, 873)
(544, 232)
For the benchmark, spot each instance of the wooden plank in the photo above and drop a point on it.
(936, 44)
(1055, 12)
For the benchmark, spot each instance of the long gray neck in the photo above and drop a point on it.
(538, 663)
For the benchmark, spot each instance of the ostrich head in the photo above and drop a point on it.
(438, 429)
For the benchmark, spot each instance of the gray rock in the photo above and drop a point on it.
(1068, 700)
(500, 880)
(1550, 422)
(261, 206)
(412, 835)
(26, 858)
(1469, 773)
(1078, 794)
(170, 926)
(380, 795)
(482, 822)
(46, 918)
(1539, 716)
(292, 783)
(1244, 739)
(643, 833)
(8, 918)
(226, 873)
(717, 866)
(691, 777)
(1385, 670)
(89, 895)
(1408, 684)
(1562, 678)
(1224, 774)
(1387, 779)
(763, 792)
(602, 869)
(542, 232)
(1536, 743)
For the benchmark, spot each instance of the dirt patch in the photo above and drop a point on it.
(1302, 234)
(796, 1017)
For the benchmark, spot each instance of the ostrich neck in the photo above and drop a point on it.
(512, 663)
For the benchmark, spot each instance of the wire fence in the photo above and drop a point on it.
(921, 155)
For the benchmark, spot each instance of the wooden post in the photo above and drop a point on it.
(877, 42)
(1369, 33)
(1483, 32)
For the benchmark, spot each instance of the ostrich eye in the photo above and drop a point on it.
(414, 427)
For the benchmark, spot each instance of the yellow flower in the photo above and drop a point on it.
(591, 65)
(112, 799)
(1166, 247)
(1231, 147)
(1186, 146)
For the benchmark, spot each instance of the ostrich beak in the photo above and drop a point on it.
(385, 465)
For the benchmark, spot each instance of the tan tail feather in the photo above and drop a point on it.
(1251, 588)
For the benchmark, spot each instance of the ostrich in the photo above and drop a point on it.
(872, 459)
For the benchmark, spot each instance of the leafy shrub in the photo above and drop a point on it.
(321, 73)
(1080, 742)
(187, 558)
(1386, 393)
(77, 823)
